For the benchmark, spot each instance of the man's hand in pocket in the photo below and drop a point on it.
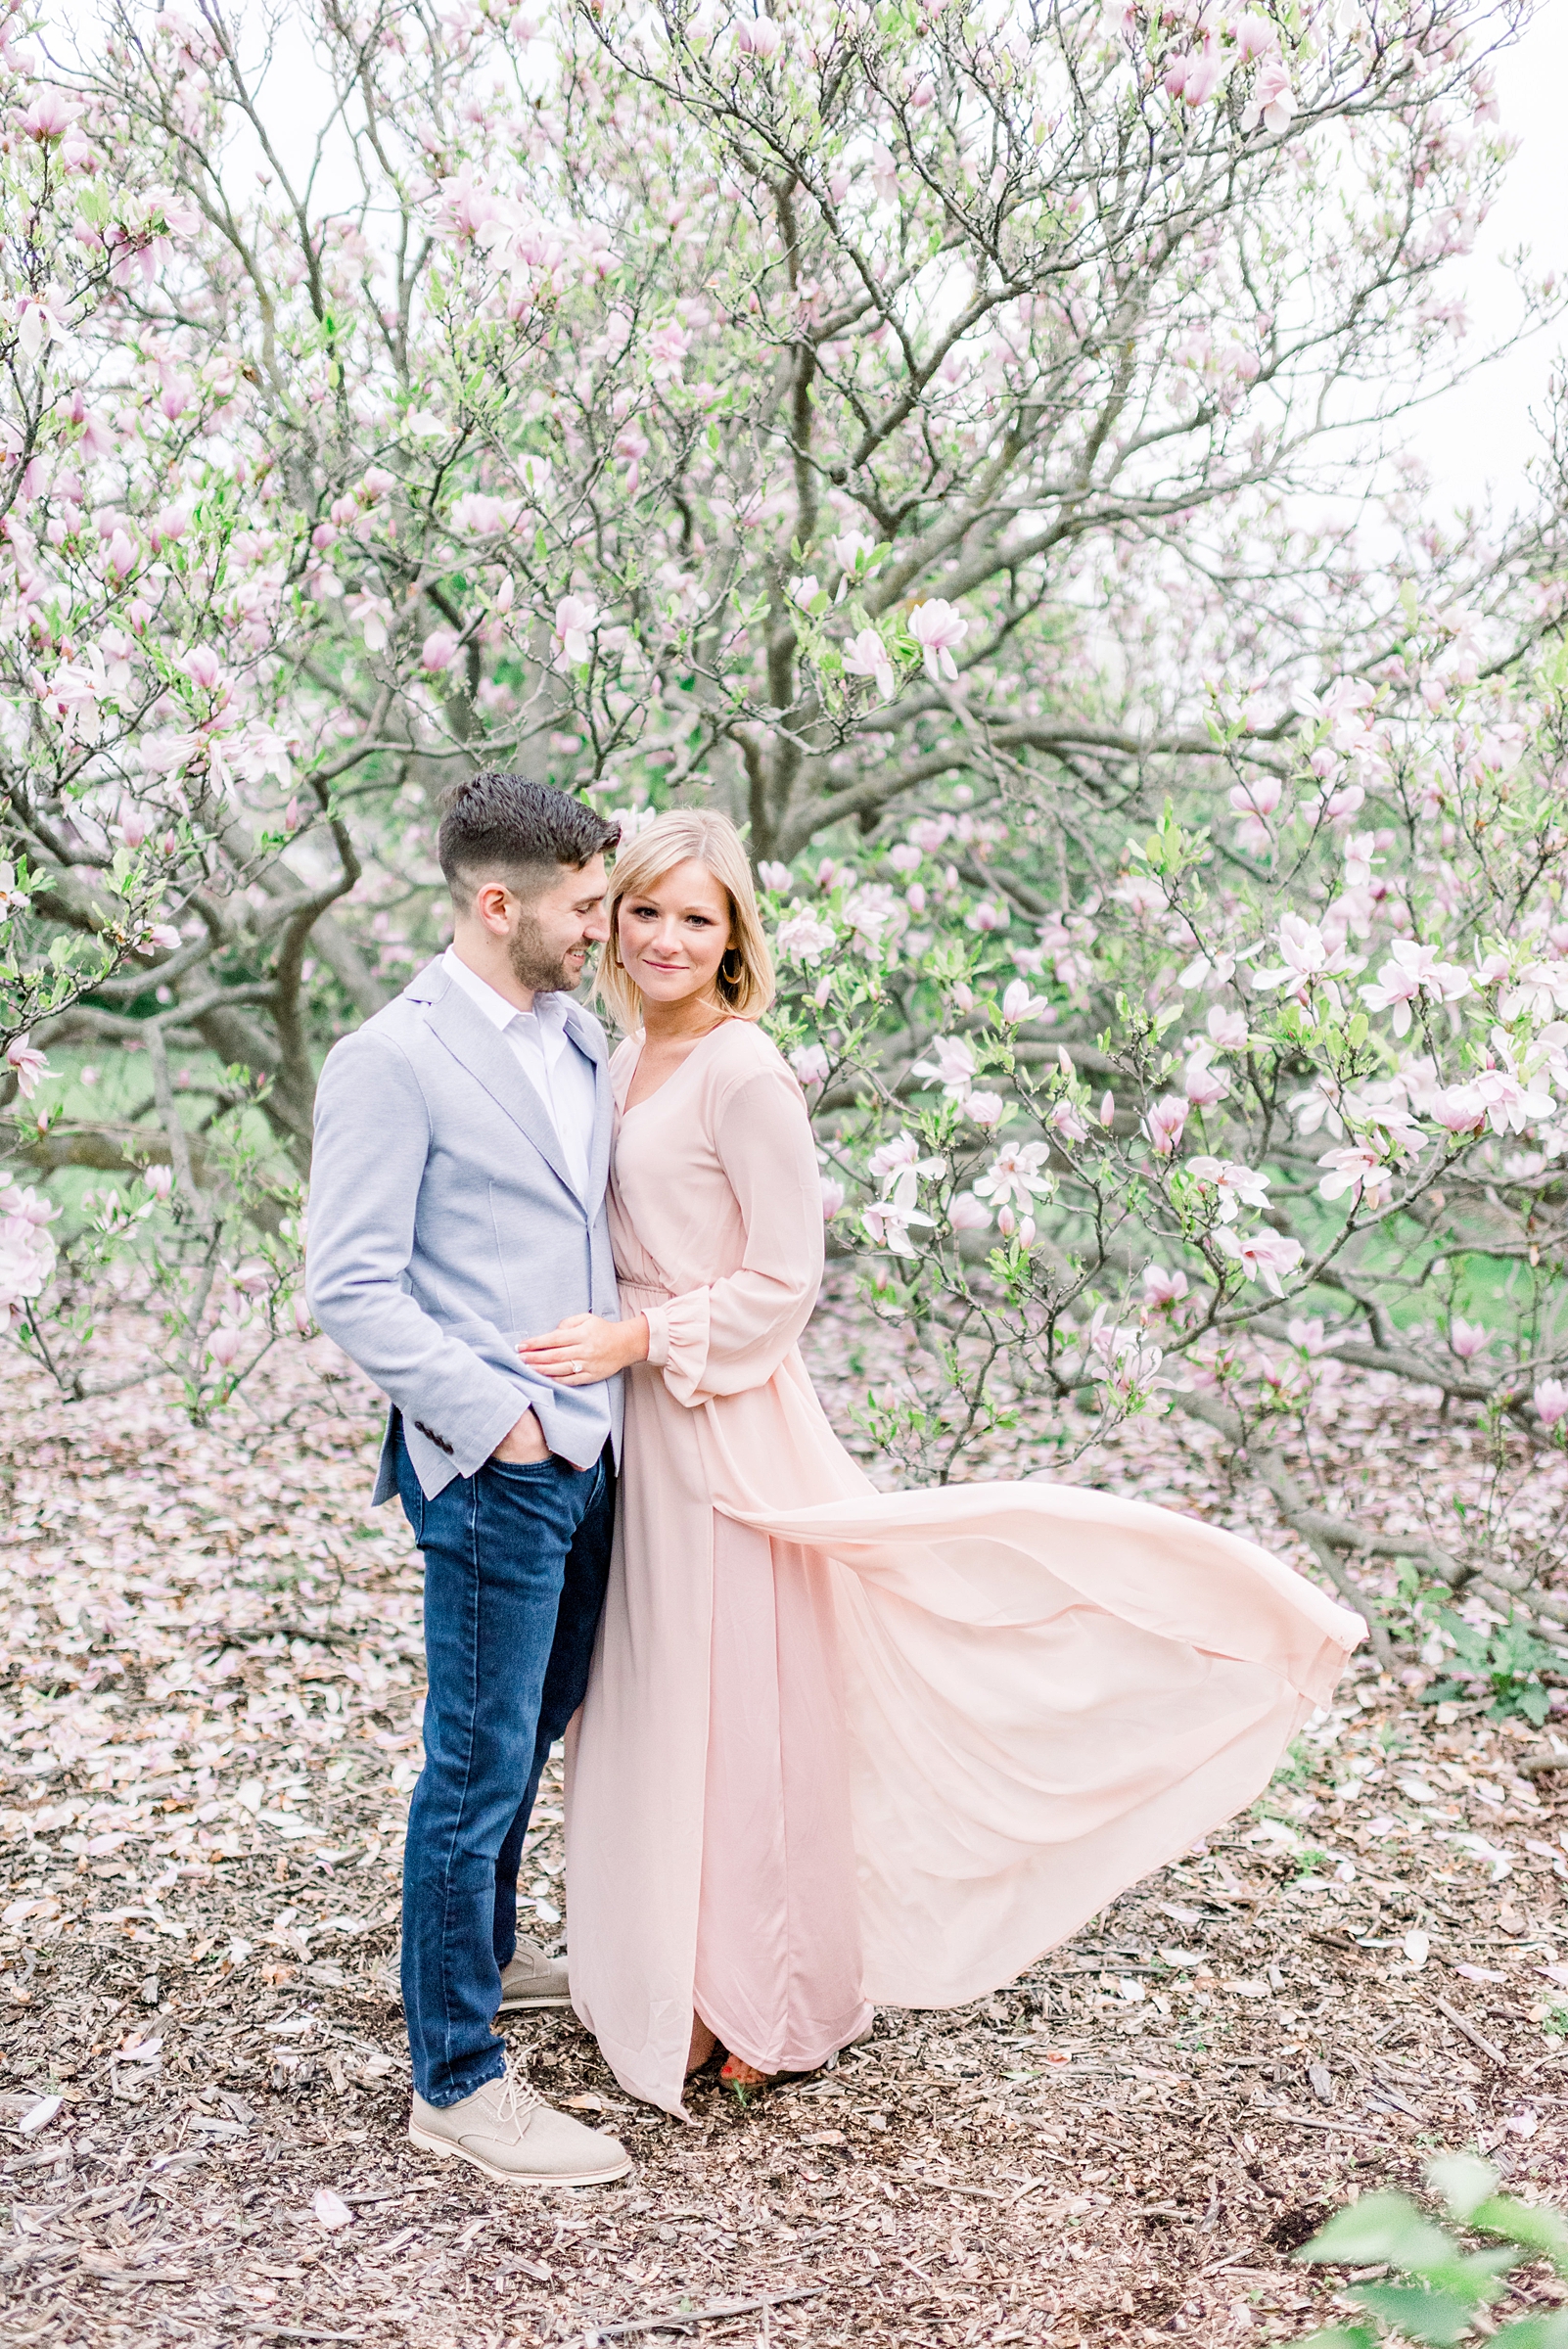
(524, 1445)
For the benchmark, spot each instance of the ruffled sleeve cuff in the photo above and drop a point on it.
(656, 1317)
(682, 1342)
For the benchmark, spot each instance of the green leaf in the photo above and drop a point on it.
(1381, 2226)
(1342, 2336)
(1438, 2318)
(1464, 2181)
(1534, 2333)
(1536, 2227)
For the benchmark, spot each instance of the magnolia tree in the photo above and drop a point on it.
(938, 435)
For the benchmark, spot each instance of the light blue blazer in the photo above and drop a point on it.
(443, 1226)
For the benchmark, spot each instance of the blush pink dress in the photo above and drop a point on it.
(841, 1746)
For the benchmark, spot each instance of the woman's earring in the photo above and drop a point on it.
(732, 978)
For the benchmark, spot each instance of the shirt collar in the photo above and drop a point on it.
(550, 1009)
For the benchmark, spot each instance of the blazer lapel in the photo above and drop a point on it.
(587, 1034)
(483, 1050)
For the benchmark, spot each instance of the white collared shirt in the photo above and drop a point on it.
(561, 1074)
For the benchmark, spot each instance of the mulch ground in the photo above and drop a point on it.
(208, 1733)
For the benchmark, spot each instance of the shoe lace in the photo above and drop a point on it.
(519, 2097)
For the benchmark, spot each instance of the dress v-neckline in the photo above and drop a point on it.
(674, 1074)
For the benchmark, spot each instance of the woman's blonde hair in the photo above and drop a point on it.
(681, 835)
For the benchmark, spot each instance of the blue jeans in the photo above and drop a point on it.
(516, 1562)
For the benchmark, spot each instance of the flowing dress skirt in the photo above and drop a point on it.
(842, 1747)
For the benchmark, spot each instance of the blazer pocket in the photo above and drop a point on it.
(508, 1318)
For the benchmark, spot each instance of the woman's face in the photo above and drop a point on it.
(673, 935)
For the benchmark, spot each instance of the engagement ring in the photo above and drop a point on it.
(576, 1370)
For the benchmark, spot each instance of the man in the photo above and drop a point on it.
(457, 1205)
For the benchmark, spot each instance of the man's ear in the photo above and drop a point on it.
(489, 907)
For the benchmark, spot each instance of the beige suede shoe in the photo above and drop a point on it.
(534, 1980)
(531, 1980)
(507, 2130)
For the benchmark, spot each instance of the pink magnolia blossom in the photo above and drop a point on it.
(27, 1256)
(850, 548)
(967, 1214)
(575, 618)
(937, 626)
(1272, 102)
(160, 935)
(1262, 1254)
(833, 1197)
(773, 875)
(986, 1109)
(811, 1064)
(632, 447)
(866, 656)
(1411, 971)
(1467, 1338)
(1260, 796)
(951, 1065)
(1307, 956)
(759, 36)
(1162, 1289)
(1552, 1400)
(666, 354)
(1200, 76)
(1067, 1122)
(438, 649)
(204, 666)
(225, 1345)
(884, 175)
(1164, 1124)
(1020, 1003)
(900, 1170)
(28, 1064)
(1235, 1186)
(374, 618)
(1202, 1082)
(1255, 36)
(931, 832)
(1359, 1170)
(803, 937)
(50, 116)
(160, 1180)
(1255, 803)
(1511, 1102)
(1227, 1029)
(1458, 1109)
(887, 1225)
(1016, 1176)
(41, 319)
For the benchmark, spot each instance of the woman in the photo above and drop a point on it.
(841, 1746)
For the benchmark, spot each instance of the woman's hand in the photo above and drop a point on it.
(585, 1349)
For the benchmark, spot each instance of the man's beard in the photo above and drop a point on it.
(532, 963)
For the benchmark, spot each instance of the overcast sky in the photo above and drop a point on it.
(1478, 439)
(1475, 442)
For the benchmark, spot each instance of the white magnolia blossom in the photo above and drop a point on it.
(803, 937)
(951, 1065)
(1016, 1176)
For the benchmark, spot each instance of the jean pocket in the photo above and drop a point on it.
(531, 1469)
(411, 1494)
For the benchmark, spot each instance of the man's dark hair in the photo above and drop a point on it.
(518, 830)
